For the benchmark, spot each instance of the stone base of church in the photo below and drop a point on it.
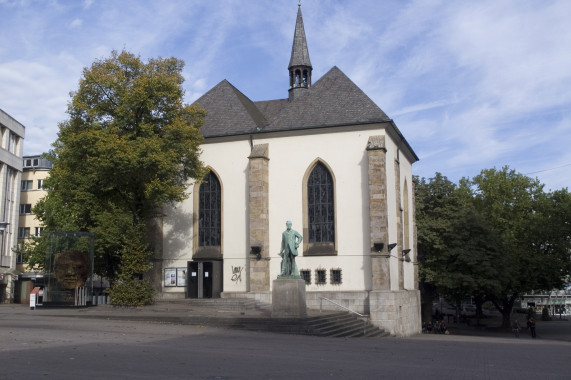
(261, 297)
(170, 296)
(398, 312)
(288, 298)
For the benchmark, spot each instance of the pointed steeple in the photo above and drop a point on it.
(299, 64)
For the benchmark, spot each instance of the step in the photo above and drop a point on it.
(331, 324)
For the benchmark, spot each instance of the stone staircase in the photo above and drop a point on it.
(228, 304)
(343, 324)
(257, 317)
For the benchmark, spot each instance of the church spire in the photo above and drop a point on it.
(299, 63)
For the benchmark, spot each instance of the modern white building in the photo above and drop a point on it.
(326, 158)
(11, 148)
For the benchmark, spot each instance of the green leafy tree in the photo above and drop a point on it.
(130, 146)
(435, 208)
(494, 237)
(511, 203)
(457, 248)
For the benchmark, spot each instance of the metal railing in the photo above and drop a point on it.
(365, 317)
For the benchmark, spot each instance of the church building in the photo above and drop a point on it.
(326, 158)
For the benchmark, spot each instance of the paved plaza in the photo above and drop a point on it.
(155, 342)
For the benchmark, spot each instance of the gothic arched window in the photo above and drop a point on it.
(209, 211)
(320, 206)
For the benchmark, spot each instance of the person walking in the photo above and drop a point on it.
(531, 325)
(515, 327)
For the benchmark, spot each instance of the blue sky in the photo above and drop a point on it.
(471, 84)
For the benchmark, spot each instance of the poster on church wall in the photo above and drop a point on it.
(180, 276)
(170, 276)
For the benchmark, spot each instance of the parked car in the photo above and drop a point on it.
(470, 309)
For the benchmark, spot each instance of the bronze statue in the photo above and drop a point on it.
(70, 269)
(291, 240)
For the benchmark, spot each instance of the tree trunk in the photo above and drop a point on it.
(427, 297)
(479, 301)
(506, 309)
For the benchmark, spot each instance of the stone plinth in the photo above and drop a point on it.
(288, 298)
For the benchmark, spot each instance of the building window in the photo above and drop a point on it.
(40, 184)
(320, 277)
(23, 232)
(320, 205)
(36, 162)
(209, 211)
(11, 142)
(28, 163)
(306, 275)
(20, 258)
(25, 208)
(38, 231)
(319, 211)
(27, 185)
(335, 276)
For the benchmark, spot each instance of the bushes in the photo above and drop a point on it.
(129, 289)
(131, 292)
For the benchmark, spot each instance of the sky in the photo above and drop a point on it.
(472, 85)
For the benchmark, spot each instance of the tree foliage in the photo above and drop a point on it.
(129, 147)
(494, 237)
(457, 248)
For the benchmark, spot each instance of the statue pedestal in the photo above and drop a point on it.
(288, 298)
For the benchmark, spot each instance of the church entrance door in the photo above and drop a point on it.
(204, 279)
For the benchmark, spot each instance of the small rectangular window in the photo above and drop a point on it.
(23, 232)
(11, 142)
(320, 277)
(335, 276)
(28, 163)
(27, 185)
(40, 184)
(306, 275)
(25, 208)
(20, 258)
(36, 162)
(38, 231)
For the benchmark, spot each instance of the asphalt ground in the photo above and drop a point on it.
(148, 342)
(180, 312)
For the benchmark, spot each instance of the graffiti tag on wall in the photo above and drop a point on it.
(237, 274)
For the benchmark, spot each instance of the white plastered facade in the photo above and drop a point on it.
(291, 156)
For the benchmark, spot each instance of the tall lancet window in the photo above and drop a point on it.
(320, 203)
(209, 211)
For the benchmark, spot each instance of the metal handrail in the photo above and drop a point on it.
(341, 306)
(365, 321)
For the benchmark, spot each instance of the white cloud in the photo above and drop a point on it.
(471, 85)
(76, 23)
(36, 96)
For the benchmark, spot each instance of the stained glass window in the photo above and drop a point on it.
(320, 203)
(209, 211)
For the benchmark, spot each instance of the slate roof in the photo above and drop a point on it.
(334, 100)
(229, 112)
